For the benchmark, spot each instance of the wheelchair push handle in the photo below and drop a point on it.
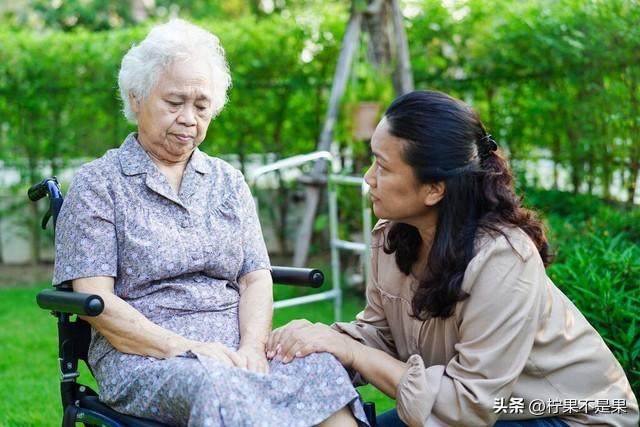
(51, 188)
(44, 187)
(37, 192)
(70, 302)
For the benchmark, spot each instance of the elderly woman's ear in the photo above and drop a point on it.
(433, 193)
(135, 104)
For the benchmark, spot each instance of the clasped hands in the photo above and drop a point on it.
(298, 338)
(250, 357)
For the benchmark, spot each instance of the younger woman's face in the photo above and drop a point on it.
(395, 192)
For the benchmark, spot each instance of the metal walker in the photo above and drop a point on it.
(334, 181)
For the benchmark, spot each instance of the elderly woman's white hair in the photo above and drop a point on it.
(143, 64)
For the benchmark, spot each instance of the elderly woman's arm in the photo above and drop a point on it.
(256, 310)
(130, 332)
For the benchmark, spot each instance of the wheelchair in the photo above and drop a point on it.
(80, 403)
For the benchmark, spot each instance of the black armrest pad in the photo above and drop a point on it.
(70, 302)
(311, 277)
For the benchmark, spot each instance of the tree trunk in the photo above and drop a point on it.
(282, 193)
(378, 25)
(349, 45)
(379, 20)
(283, 209)
(34, 222)
(576, 154)
(139, 10)
(254, 6)
(634, 169)
(591, 169)
(606, 172)
(634, 164)
(403, 76)
(604, 151)
(555, 158)
(32, 176)
(576, 163)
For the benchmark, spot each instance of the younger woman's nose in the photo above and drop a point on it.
(369, 176)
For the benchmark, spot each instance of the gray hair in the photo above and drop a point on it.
(143, 64)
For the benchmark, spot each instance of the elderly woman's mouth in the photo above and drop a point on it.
(183, 137)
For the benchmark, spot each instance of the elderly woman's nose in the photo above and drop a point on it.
(187, 116)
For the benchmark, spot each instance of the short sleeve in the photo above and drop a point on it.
(253, 246)
(86, 243)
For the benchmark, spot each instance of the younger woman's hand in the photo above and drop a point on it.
(300, 338)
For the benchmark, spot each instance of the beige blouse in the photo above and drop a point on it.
(515, 348)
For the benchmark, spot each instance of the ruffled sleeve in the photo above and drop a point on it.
(371, 327)
(418, 385)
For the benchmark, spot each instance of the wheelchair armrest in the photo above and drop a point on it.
(70, 302)
(310, 277)
(65, 301)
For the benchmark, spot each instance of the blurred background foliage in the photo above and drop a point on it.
(553, 80)
(558, 78)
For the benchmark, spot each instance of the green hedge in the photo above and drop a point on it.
(58, 91)
(563, 76)
(59, 100)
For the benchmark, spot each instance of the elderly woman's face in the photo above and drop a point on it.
(174, 118)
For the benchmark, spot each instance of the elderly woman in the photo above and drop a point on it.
(462, 325)
(169, 237)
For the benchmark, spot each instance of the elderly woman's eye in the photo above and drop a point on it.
(174, 103)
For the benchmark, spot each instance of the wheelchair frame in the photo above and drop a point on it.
(79, 402)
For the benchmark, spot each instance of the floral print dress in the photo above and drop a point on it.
(177, 258)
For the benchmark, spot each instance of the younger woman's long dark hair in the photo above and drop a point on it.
(446, 141)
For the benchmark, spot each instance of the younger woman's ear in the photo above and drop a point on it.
(135, 104)
(434, 193)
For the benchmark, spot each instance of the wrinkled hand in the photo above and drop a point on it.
(253, 358)
(217, 351)
(300, 338)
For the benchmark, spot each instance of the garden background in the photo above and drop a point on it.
(557, 83)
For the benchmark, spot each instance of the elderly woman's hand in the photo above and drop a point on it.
(253, 358)
(217, 351)
(300, 338)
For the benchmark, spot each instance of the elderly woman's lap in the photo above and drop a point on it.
(162, 389)
(203, 391)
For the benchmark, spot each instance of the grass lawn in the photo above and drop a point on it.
(29, 365)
